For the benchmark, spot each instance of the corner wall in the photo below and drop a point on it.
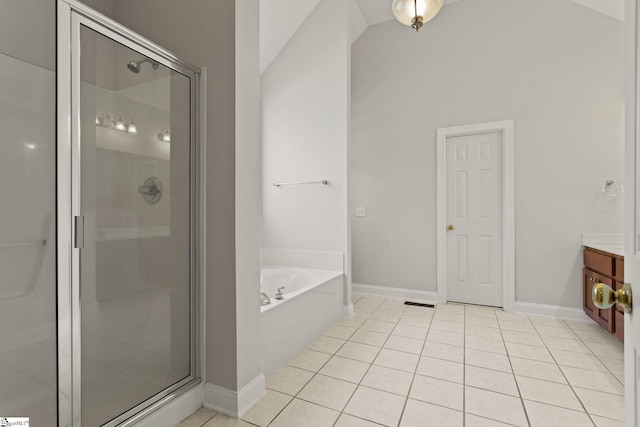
(305, 105)
(553, 66)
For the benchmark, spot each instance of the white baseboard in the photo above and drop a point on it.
(412, 294)
(348, 311)
(176, 410)
(234, 403)
(569, 313)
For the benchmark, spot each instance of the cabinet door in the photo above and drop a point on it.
(590, 278)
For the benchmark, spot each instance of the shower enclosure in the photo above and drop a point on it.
(98, 247)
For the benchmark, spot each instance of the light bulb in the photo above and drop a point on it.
(131, 127)
(164, 136)
(119, 125)
(415, 13)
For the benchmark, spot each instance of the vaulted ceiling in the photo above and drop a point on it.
(280, 19)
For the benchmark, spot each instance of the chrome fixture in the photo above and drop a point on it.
(151, 190)
(264, 299)
(323, 182)
(415, 13)
(134, 66)
(164, 136)
(279, 293)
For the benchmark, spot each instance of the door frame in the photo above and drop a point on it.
(72, 14)
(507, 128)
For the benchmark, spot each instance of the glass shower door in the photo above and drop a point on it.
(136, 225)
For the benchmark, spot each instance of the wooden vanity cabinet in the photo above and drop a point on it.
(607, 268)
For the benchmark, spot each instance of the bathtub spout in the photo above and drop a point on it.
(279, 293)
(264, 299)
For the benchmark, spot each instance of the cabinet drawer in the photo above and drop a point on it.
(619, 270)
(598, 262)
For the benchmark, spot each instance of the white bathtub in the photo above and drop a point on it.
(312, 302)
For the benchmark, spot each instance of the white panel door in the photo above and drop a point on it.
(474, 218)
(632, 218)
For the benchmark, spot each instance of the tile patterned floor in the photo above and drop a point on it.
(456, 365)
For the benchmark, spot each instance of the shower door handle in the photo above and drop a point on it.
(78, 231)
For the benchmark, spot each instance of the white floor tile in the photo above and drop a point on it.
(345, 369)
(490, 322)
(357, 351)
(301, 413)
(397, 360)
(526, 351)
(497, 406)
(540, 370)
(326, 345)
(375, 405)
(421, 322)
(329, 392)
(541, 415)
(488, 379)
(449, 316)
(523, 338)
(476, 421)
(414, 332)
(577, 360)
(474, 310)
(347, 420)
(565, 344)
(483, 332)
(549, 331)
(483, 359)
(340, 331)
(613, 350)
(385, 316)
(222, 420)
(485, 344)
(447, 326)
(444, 337)
(369, 337)
(420, 414)
(408, 345)
(442, 369)
(439, 392)
(378, 326)
(267, 409)
(602, 404)
(310, 360)
(599, 381)
(289, 380)
(548, 392)
(443, 351)
(198, 418)
(387, 379)
(606, 422)
(616, 366)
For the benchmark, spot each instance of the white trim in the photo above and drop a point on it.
(176, 410)
(386, 291)
(559, 312)
(508, 205)
(348, 311)
(234, 403)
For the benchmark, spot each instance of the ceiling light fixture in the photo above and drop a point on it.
(415, 13)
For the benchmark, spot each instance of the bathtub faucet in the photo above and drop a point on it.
(279, 293)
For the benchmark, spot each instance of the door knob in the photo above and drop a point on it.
(451, 227)
(604, 297)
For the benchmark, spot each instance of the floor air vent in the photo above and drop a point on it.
(418, 304)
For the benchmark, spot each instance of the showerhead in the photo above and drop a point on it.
(134, 66)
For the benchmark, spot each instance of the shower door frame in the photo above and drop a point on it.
(71, 16)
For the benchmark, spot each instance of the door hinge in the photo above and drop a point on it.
(78, 232)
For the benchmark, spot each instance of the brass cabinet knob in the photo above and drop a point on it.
(451, 227)
(604, 297)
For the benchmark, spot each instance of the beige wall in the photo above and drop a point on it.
(553, 66)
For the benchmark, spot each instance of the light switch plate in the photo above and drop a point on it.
(361, 211)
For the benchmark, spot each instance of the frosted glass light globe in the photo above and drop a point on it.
(414, 13)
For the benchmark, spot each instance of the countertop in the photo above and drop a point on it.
(614, 249)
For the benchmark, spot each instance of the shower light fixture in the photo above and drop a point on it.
(131, 127)
(119, 124)
(415, 13)
(105, 121)
(164, 136)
